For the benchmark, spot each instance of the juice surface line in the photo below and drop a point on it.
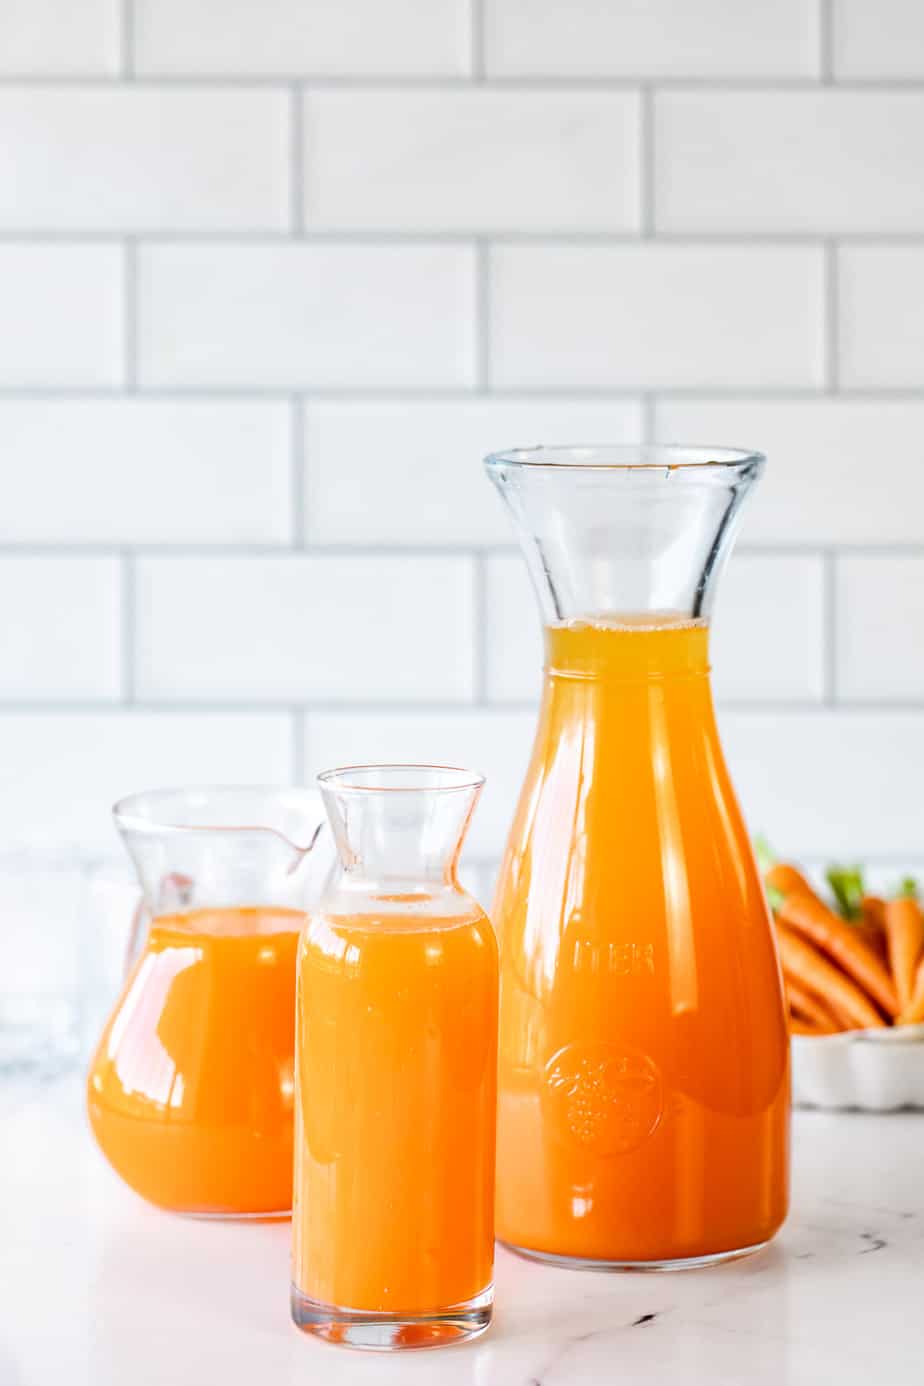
(643, 1071)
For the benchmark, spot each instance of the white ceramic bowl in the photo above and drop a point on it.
(868, 1070)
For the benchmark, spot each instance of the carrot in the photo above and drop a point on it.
(847, 887)
(872, 911)
(803, 961)
(871, 925)
(819, 1027)
(785, 878)
(840, 1018)
(845, 1020)
(914, 1011)
(803, 1027)
(811, 918)
(864, 912)
(811, 1007)
(904, 927)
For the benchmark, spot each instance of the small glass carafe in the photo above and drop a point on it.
(190, 1092)
(396, 1053)
(643, 1098)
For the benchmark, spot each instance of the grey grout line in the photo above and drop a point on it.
(362, 394)
(453, 82)
(865, 707)
(646, 187)
(830, 318)
(274, 238)
(127, 625)
(130, 315)
(829, 617)
(482, 316)
(826, 41)
(477, 39)
(383, 549)
(127, 39)
(296, 162)
(464, 708)
(455, 394)
(297, 477)
(232, 707)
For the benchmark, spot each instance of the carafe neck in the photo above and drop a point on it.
(399, 828)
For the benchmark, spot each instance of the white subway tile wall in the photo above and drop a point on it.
(658, 38)
(274, 276)
(44, 38)
(143, 159)
(882, 316)
(769, 637)
(649, 316)
(64, 770)
(63, 310)
(882, 40)
(789, 161)
(60, 628)
(842, 471)
(135, 470)
(476, 159)
(347, 38)
(512, 632)
(880, 655)
(407, 471)
(351, 627)
(294, 316)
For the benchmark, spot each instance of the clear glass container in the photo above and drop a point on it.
(190, 1092)
(643, 1087)
(396, 1053)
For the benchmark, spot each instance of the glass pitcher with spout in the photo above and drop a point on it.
(190, 1093)
(643, 1087)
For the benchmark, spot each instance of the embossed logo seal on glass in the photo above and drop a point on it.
(605, 1098)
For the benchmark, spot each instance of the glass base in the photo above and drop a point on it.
(360, 1328)
(717, 1258)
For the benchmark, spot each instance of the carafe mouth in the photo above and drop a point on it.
(407, 779)
(625, 527)
(634, 457)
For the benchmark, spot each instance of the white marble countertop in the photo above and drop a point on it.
(97, 1289)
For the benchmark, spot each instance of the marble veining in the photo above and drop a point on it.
(143, 1297)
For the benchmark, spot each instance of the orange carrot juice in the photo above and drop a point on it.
(191, 1091)
(643, 1071)
(396, 1086)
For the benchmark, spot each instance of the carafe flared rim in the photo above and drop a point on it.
(634, 457)
(398, 778)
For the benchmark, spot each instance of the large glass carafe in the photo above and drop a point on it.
(644, 1063)
(191, 1090)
